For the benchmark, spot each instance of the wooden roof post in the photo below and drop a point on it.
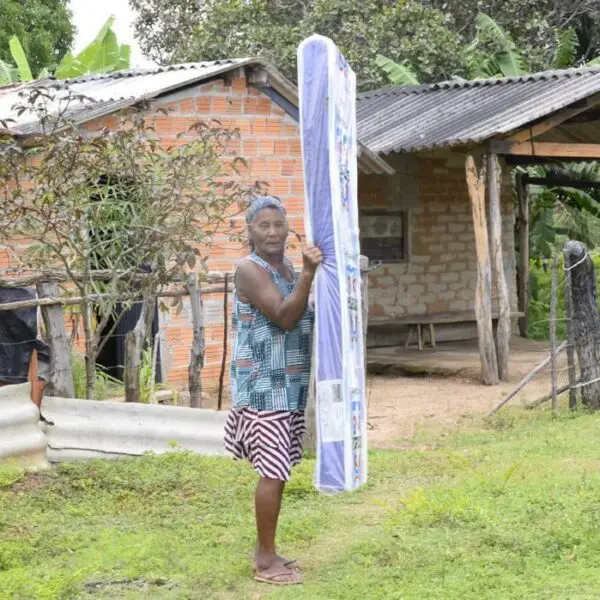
(504, 326)
(483, 296)
(523, 230)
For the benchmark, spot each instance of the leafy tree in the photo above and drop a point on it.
(115, 216)
(533, 26)
(44, 28)
(559, 213)
(103, 55)
(556, 213)
(493, 53)
(403, 29)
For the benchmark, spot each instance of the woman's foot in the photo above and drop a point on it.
(292, 564)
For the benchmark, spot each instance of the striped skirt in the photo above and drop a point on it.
(270, 439)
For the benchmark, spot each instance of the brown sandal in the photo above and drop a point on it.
(274, 574)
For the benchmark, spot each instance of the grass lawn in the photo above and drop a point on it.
(503, 509)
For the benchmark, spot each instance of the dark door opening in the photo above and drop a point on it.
(112, 356)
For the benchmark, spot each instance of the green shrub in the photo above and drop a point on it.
(538, 325)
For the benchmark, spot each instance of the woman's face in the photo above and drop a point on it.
(268, 232)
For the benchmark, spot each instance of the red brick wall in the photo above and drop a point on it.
(270, 143)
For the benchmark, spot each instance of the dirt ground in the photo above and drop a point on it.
(400, 406)
(442, 389)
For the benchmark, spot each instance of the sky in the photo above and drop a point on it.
(90, 15)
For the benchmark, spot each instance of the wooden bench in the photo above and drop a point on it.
(430, 320)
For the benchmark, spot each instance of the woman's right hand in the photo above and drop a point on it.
(312, 257)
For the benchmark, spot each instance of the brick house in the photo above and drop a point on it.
(416, 209)
(246, 94)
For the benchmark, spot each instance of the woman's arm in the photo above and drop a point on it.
(255, 286)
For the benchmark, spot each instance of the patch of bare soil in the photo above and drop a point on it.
(399, 406)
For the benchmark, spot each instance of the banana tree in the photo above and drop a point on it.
(20, 72)
(492, 54)
(103, 55)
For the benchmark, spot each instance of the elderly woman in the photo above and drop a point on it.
(270, 372)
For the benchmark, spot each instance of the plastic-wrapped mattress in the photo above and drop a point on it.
(327, 89)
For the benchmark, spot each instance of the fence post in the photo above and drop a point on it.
(197, 351)
(225, 340)
(586, 321)
(553, 303)
(61, 375)
(134, 343)
(569, 331)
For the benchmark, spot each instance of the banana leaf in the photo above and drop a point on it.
(508, 58)
(398, 74)
(566, 49)
(18, 54)
(8, 73)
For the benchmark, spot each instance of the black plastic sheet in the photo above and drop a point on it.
(18, 337)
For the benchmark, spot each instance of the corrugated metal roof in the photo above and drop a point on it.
(417, 118)
(107, 93)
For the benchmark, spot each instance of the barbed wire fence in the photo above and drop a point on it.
(581, 375)
(59, 373)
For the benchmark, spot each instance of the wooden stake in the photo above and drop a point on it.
(523, 230)
(483, 296)
(197, 351)
(364, 272)
(225, 334)
(569, 328)
(585, 321)
(134, 343)
(61, 375)
(504, 326)
(545, 398)
(553, 303)
(526, 380)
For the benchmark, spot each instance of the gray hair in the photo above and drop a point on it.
(260, 203)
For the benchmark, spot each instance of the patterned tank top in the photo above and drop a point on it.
(270, 368)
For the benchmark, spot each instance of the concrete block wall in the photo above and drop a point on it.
(440, 274)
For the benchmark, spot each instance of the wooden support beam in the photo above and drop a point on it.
(554, 121)
(523, 234)
(503, 329)
(483, 295)
(546, 149)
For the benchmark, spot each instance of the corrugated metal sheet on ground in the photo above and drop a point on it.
(21, 435)
(416, 118)
(80, 429)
